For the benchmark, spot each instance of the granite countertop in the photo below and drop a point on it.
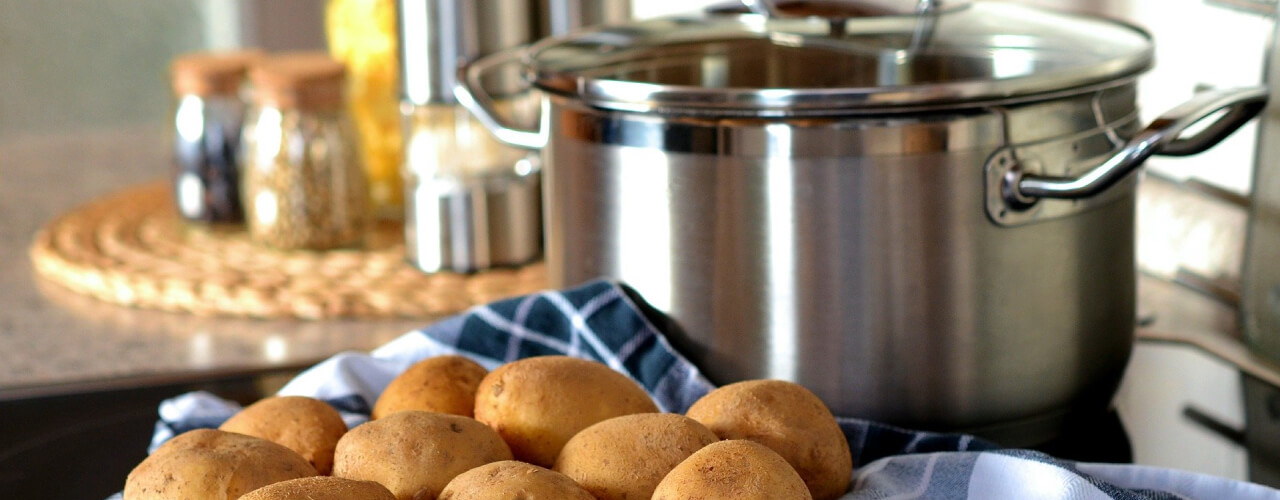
(55, 342)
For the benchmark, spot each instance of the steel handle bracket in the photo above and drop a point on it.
(471, 94)
(1021, 189)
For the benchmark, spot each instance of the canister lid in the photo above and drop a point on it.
(211, 73)
(816, 61)
(304, 80)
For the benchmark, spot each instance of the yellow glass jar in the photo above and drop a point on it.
(362, 34)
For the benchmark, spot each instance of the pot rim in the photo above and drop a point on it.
(632, 67)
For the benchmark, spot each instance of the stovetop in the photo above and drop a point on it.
(1183, 407)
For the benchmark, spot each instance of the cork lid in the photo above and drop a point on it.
(211, 73)
(303, 80)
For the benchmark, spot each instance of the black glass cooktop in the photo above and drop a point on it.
(1184, 408)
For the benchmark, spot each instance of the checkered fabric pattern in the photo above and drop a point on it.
(610, 323)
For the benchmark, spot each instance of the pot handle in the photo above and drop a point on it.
(1022, 189)
(470, 94)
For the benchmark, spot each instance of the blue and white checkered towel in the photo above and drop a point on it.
(604, 321)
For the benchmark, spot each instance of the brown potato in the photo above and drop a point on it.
(416, 453)
(512, 480)
(733, 470)
(442, 384)
(321, 488)
(626, 457)
(537, 404)
(788, 419)
(308, 426)
(207, 464)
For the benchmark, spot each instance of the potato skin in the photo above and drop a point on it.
(788, 419)
(733, 470)
(624, 458)
(537, 404)
(321, 488)
(512, 480)
(414, 454)
(208, 464)
(442, 384)
(306, 425)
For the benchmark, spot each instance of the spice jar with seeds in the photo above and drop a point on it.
(304, 185)
(208, 116)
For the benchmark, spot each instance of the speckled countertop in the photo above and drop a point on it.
(56, 342)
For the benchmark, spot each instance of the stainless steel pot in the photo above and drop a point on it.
(925, 219)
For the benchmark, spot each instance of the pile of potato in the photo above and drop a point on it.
(549, 427)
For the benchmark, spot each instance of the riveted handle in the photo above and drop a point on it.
(471, 94)
(1162, 136)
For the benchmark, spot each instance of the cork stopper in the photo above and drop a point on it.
(211, 73)
(301, 80)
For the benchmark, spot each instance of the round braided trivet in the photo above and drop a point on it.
(131, 248)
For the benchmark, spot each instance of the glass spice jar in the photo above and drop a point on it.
(208, 116)
(304, 185)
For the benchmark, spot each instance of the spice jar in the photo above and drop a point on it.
(208, 116)
(304, 186)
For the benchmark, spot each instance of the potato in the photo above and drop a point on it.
(442, 384)
(308, 426)
(626, 457)
(416, 453)
(788, 419)
(732, 470)
(537, 404)
(208, 464)
(512, 480)
(321, 488)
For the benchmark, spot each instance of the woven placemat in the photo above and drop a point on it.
(131, 248)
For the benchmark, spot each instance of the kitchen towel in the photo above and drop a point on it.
(610, 323)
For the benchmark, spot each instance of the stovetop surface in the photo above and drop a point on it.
(1183, 407)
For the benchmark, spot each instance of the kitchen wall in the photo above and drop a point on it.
(80, 63)
(75, 65)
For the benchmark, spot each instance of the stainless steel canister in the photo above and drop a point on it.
(471, 201)
(927, 220)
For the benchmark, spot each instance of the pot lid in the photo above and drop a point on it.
(808, 60)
